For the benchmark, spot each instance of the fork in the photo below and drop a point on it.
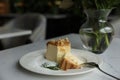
(93, 64)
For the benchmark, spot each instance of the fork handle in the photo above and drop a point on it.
(108, 74)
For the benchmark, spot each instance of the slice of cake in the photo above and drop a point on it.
(56, 49)
(70, 62)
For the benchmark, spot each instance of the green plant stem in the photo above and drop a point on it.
(98, 40)
(106, 39)
(96, 45)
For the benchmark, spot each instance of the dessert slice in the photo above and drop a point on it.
(56, 49)
(70, 62)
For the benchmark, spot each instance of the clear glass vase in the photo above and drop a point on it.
(96, 33)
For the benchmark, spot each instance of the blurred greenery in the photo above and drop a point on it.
(53, 6)
(45, 6)
(100, 4)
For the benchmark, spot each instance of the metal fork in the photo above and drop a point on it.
(93, 64)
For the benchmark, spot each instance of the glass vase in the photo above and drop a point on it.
(96, 33)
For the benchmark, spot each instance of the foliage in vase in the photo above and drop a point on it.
(96, 33)
(98, 4)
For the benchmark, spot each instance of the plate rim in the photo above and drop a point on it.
(33, 52)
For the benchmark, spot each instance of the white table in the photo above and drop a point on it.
(9, 33)
(11, 70)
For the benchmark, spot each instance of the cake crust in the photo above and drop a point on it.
(60, 42)
(70, 62)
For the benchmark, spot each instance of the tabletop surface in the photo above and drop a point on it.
(11, 70)
(6, 33)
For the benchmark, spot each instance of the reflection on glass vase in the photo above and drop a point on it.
(96, 33)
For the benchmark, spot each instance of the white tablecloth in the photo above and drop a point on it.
(11, 70)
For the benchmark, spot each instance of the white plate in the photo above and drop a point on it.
(33, 62)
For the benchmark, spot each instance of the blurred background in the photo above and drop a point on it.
(63, 16)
